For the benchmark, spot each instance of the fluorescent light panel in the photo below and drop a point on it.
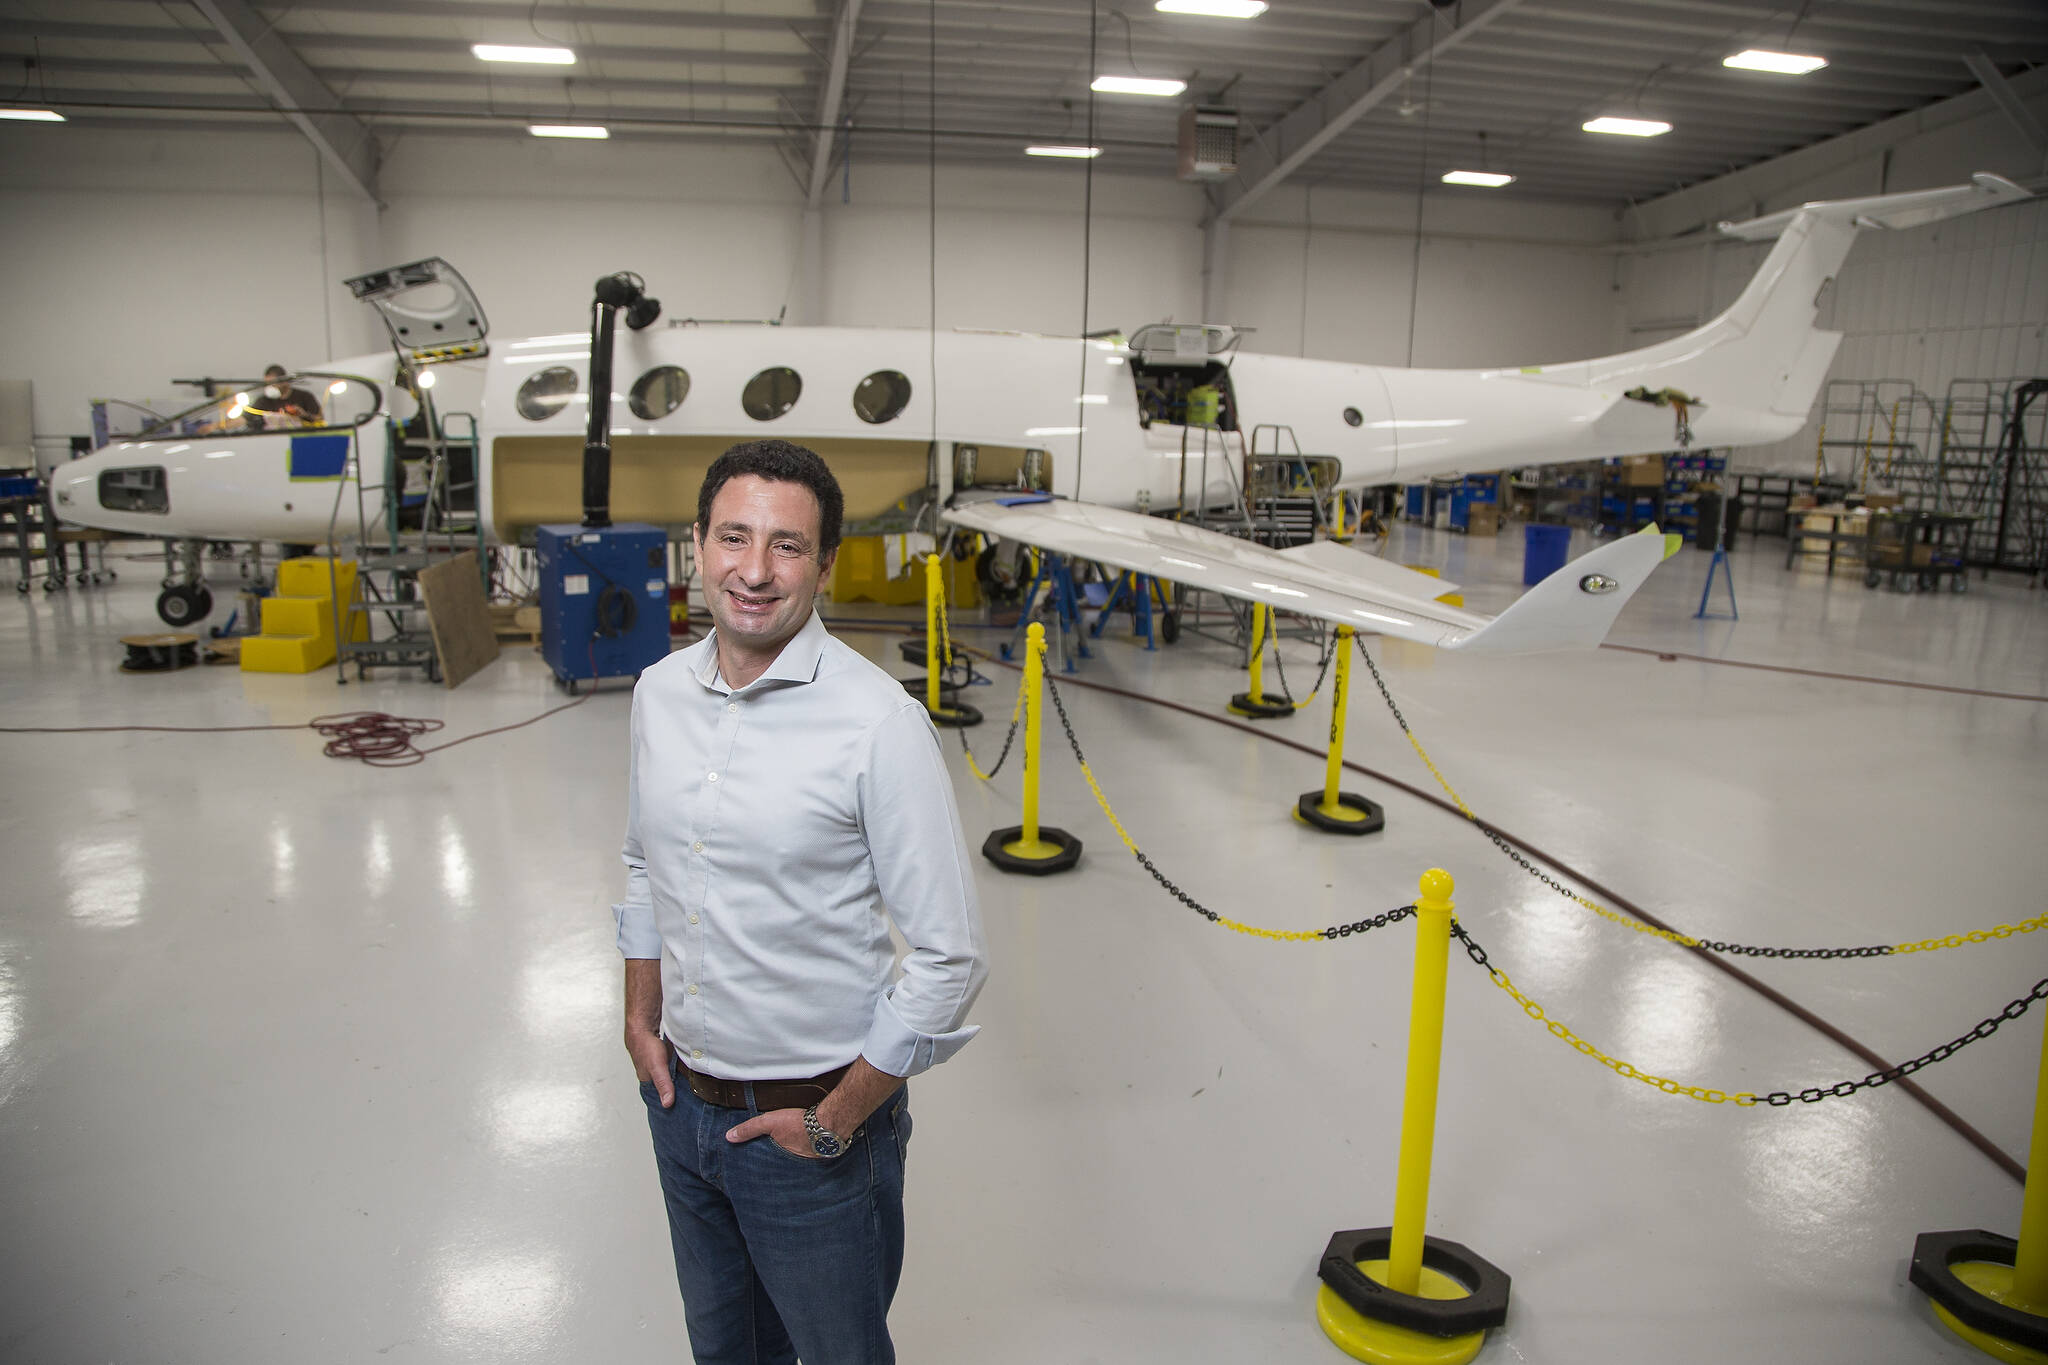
(1782, 63)
(537, 56)
(568, 130)
(1493, 180)
(1082, 152)
(1214, 9)
(1136, 85)
(1628, 127)
(32, 115)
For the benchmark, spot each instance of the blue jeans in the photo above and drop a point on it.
(780, 1256)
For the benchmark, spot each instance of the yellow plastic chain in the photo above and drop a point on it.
(1560, 1030)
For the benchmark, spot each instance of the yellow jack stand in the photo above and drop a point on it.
(1253, 702)
(1992, 1291)
(1392, 1295)
(1331, 810)
(1030, 848)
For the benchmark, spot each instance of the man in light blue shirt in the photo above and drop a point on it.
(787, 801)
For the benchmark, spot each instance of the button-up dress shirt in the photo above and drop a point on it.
(772, 833)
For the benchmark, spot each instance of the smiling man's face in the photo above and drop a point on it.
(761, 566)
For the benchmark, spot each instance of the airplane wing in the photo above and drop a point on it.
(1571, 609)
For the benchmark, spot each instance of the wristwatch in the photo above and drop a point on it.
(824, 1141)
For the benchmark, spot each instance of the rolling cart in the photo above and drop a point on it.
(1916, 550)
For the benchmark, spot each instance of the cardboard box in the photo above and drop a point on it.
(1881, 500)
(1483, 519)
(1643, 471)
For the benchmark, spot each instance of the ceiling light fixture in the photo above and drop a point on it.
(1137, 85)
(569, 130)
(537, 56)
(33, 115)
(1782, 63)
(1627, 127)
(1214, 9)
(1082, 152)
(1493, 180)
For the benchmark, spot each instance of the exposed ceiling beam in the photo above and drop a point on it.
(1280, 150)
(2016, 112)
(344, 141)
(518, 17)
(828, 101)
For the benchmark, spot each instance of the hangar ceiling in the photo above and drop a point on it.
(1353, 93)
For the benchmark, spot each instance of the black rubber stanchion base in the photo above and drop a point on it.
(954, 715)
(1262, 708)
(1966, 1309)
(1355, 814)
(1057, 851)
(1485, 1304)
(918, 685)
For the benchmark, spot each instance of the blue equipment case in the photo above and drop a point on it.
(603, 599)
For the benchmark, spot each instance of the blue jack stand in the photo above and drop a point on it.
(1720, 564)
(1058, 583)
(1133, 591)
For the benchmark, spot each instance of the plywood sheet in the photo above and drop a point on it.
(459, 618)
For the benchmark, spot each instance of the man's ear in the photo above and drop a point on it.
(826, 560)
(697, 543)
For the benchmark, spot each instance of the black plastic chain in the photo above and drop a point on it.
(1778, 1099)
(1514, 854)
(1008, 739)
(1335, 931)
(1329, 652)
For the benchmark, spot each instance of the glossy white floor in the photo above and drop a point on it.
(305, 1061)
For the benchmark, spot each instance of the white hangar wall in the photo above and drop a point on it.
(136, 257)
(1961, 300)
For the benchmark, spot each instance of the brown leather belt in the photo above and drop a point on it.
(779, 1094)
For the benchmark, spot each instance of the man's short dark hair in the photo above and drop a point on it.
(783, 462)
(275, 371)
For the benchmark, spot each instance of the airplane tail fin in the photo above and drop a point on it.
(1574, 607)
(1764, 355)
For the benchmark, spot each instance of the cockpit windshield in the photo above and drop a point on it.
(311, 400)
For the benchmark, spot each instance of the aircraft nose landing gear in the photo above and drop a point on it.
(184, 604)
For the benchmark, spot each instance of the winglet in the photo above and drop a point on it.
(1575, 607)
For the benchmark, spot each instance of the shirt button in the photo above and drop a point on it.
(711, 777)
(693, 919)
(697, 1054)
(693, 990)
(697, 847)
(732, 706)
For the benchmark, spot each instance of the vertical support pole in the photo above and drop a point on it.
(934, 595)
(2030, 1261)
(1034, 671)
(1425, 1060)
(1335, 768)
(1258, 657)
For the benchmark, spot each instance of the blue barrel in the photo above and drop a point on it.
(1412, 502)
(1544, 551)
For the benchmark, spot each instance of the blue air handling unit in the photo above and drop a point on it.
(603, 599)
(604, 588)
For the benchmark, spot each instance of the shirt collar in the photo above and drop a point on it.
(797, 663)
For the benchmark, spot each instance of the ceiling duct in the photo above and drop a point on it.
(1208, 142)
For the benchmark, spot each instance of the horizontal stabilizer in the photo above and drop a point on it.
(1916, 208)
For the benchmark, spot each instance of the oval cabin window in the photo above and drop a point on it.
(546, 392)
(1352, 417)
(881, 397)
(659, 392)
(771, 393)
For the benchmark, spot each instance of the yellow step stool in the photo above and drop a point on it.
(298, 621)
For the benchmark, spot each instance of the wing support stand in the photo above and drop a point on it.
(1057, 580)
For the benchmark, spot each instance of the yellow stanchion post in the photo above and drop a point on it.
(1029, 847)
(1992, 1291)
(1394, 1295)
(1331, 810)
(944, 710)
(1252, 702)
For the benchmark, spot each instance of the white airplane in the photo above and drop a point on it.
(958, 424)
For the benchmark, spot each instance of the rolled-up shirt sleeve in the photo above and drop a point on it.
(927, 883)
(638, 936)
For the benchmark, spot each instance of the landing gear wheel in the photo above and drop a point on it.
(182, 605)
(1169, 626)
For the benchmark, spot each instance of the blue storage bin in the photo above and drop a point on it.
(1544, 551)
(1412, 501)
